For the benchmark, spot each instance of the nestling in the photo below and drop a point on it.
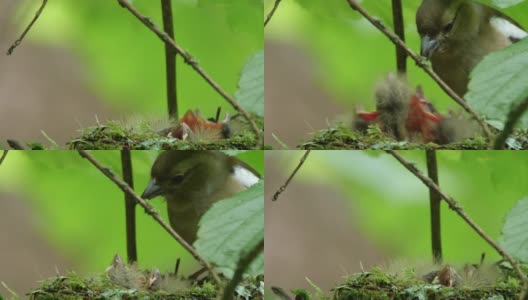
(192, 181)
(131, 277)
(457, 34)
(192, 126)
(407, 115)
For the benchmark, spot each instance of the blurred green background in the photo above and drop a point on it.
(79, 213)
(122, 63)
(385, 210)
(127, 61)
(345, 57)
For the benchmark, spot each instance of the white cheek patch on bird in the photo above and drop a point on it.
(508, 29)
(244, 176)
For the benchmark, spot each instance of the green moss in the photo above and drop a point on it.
(114, 135)
(101, 287)
(343, 137)
(301, 294)
(380, 285)
(75, 287)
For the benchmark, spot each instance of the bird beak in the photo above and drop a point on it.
(152, 190)
(428, 46)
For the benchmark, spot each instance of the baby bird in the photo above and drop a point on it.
(130, 277)
(407, 115)
(457, 34)
(192, 181)
(192, 126)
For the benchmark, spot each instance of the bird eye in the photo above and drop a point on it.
(448, 27)
(177, 179)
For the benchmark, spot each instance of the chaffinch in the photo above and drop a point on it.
(457, 34)
(191, 181)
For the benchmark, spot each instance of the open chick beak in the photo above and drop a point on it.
(428, 46)
(152, 190)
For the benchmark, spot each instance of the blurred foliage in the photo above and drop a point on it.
(81, 212)
(124, 61)
(392, 205)
(349, 54)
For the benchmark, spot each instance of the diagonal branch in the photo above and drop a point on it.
(285, 185)
(422, 64)
(189, 60)
(456, 207)
(272, 12)
(150, 211)
(19, 40)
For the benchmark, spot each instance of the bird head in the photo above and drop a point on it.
(444, 24)
(187, 173)
(192, 126)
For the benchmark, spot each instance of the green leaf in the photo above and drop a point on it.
(498, 83)
(232, 227)
(250, 93)
(514, 237)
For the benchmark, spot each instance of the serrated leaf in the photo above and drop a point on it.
(250, 93)
(514, 238)
(498, 83)
(232, 227)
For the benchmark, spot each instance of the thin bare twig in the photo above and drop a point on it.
(513, 117)
(4, 154)
(19, 40)
(16, 145)
(218, 111)
(150, 211)
(397, 18)
(242, 266)
(272, 12)
(130, 207)
(456, 207)
(434, 202)
(170, 60)
(422, 64)
(190, 60)
(285, 185)
(281, 293)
